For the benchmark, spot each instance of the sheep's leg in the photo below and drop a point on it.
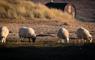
(79, 41)
(85, 41)
(67, 40)
(22, 39)
(62, 41)
(90, 40)
(59, 40)
(3, 40)
(29, 39)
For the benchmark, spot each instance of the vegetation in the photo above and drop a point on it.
(19, 9)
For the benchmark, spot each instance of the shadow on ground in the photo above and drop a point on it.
(87, 51)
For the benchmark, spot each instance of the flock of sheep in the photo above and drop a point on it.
(63, 34)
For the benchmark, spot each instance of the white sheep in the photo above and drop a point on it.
(4, 31)
(27, 32)
(84, 34)
(70, 9)
(63, 34)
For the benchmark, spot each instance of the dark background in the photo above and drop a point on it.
(86, 51)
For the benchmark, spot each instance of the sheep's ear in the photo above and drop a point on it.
(10, 31)
(90, 32)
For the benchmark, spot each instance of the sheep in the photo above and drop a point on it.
(4, 32)
(70, 8)
(63, 34)
(27, 32)
(84, 34)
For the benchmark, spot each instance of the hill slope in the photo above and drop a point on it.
(85, 8)
(26, 9)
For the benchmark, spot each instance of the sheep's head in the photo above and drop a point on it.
(1, 37)
(90, 39)
(33, 39)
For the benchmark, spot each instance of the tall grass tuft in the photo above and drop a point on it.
(22, 9)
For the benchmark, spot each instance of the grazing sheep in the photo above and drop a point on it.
(4, 31)
(27, 32)
(84, 34)
(63, 34)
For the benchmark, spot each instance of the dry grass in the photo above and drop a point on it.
(27, 9)
(45, 28)
(45, 41)
(20, 13)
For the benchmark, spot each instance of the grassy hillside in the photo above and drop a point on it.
(26, 9)
(85, 8)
